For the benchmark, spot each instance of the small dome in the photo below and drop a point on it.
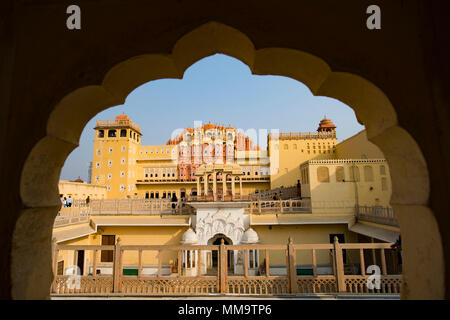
(190, 129)
(229, 128)
(78, 180)
(326, 125)
(189, 237)
(122, 117)
(250, 236)
(208, 126)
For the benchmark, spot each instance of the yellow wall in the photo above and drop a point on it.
(286, 155)
(338, 194)
(301, 234)
(78, 190)
(167, 235)
(358, 147)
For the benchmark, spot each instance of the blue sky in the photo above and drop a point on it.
(222, 90)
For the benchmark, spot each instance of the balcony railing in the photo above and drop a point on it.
(279, 206)
(117, 123)
(139, 207)
(281, 193)
(165, 206)
(195, 270)
(303, 135)
(68, 220)
(377, 214)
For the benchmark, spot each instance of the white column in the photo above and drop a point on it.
(240, 186)
(215, 185)
(257, 258)
(198, 186)
(224, 184)
(254, 258)
(232, 187)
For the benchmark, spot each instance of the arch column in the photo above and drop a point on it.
(215, 185)
(205, 183)
(224, 185)
(198, 187)
(232, 187)
(240, 187)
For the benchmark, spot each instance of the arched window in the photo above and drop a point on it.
(368, 174)
(112, 133)
(340, 174)
(101, 133)
(123, 133)
(382, 170)
(323, 174)
(354, 173)
(286, 147)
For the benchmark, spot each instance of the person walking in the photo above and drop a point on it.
(65, 202)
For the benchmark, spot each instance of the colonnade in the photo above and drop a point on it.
(214, 175)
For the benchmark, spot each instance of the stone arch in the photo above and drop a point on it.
(410, 182)
(218, 236)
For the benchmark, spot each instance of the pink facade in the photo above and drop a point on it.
(208, 144)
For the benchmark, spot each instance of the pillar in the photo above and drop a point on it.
(224, 185)
(240, 186)
(198, 187)
(215, 186)
(205, 183)
(232, 187)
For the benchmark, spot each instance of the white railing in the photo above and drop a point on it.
(68, 220)
(281, 193)
(279, 206)
(303, 135)
(377, 214)
(138, 206)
